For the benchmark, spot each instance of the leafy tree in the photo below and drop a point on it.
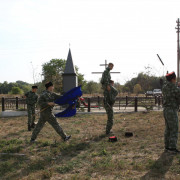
(137, 89)
(53, 70)
(125, 89)
(4, 88)
(81, 80)
(92, 87)
(118, 87)
(146, 82)
(26, 88)
(16, 90)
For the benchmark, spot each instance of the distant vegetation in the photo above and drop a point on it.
(53, 70)
(18, 87)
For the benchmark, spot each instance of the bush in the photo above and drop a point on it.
(16, 90)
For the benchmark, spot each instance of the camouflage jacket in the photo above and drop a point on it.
(47, 97)
(113, 94)
(171, 95)
(31, 98)
(106, 77)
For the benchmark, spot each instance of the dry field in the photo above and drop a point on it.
(88, 155)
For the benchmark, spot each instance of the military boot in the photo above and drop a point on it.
(29, 127)
(67, 138)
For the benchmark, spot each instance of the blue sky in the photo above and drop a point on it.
(128, 33)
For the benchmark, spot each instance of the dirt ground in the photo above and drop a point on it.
(88, 154)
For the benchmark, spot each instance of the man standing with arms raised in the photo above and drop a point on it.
(106, 85)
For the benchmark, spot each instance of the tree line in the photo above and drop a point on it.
(53, 70)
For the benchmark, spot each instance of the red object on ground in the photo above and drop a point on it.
(112, 139)
(85, 104)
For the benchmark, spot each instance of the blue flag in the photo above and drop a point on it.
(69, 112)
(70, 98)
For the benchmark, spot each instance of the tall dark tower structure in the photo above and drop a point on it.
(69, 76)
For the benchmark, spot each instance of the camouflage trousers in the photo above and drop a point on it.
(31, 114)
(109, 110)
(51, 119)
(171, 127)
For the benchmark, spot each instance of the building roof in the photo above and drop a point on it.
(69, 69)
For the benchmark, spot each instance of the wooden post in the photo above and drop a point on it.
(89, 105)
(155, 99)
(159, 101)
(135, 104)
(3, 104)
(16, 102)
(119, 104)
(98, 101)
(126, 100)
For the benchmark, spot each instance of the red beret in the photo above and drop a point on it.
(170, 76)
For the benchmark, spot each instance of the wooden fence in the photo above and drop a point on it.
(124, 102)
(13, 104)
(93, 102)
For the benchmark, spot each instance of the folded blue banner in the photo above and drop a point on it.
(69, 96)
(69, 112)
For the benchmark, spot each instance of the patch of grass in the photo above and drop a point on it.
(36, 165)
(12, 149)
(102, 164)
(73, 147)
(44, 144)
(10, 142)
(6, 167)
(80, 177)
(138, 166)
(67, 167)
(10, 164)
(46, 174)
(11, 146)
(102, 152)
(155, 165)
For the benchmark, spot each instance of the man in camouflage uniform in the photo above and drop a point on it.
(108, 104)
(31, 100)
(171, 95)
(46, 102)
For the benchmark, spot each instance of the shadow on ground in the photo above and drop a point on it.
(160, 167)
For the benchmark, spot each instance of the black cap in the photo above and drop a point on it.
(48, 84)
(34, 87)
(111, 81)
(170, 76)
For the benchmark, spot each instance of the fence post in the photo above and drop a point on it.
(89, 105)
(159, 101)
(135, 104)
(16, 102)
(3, 104)
(126, 100)
(155, 99)
(98, 101)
